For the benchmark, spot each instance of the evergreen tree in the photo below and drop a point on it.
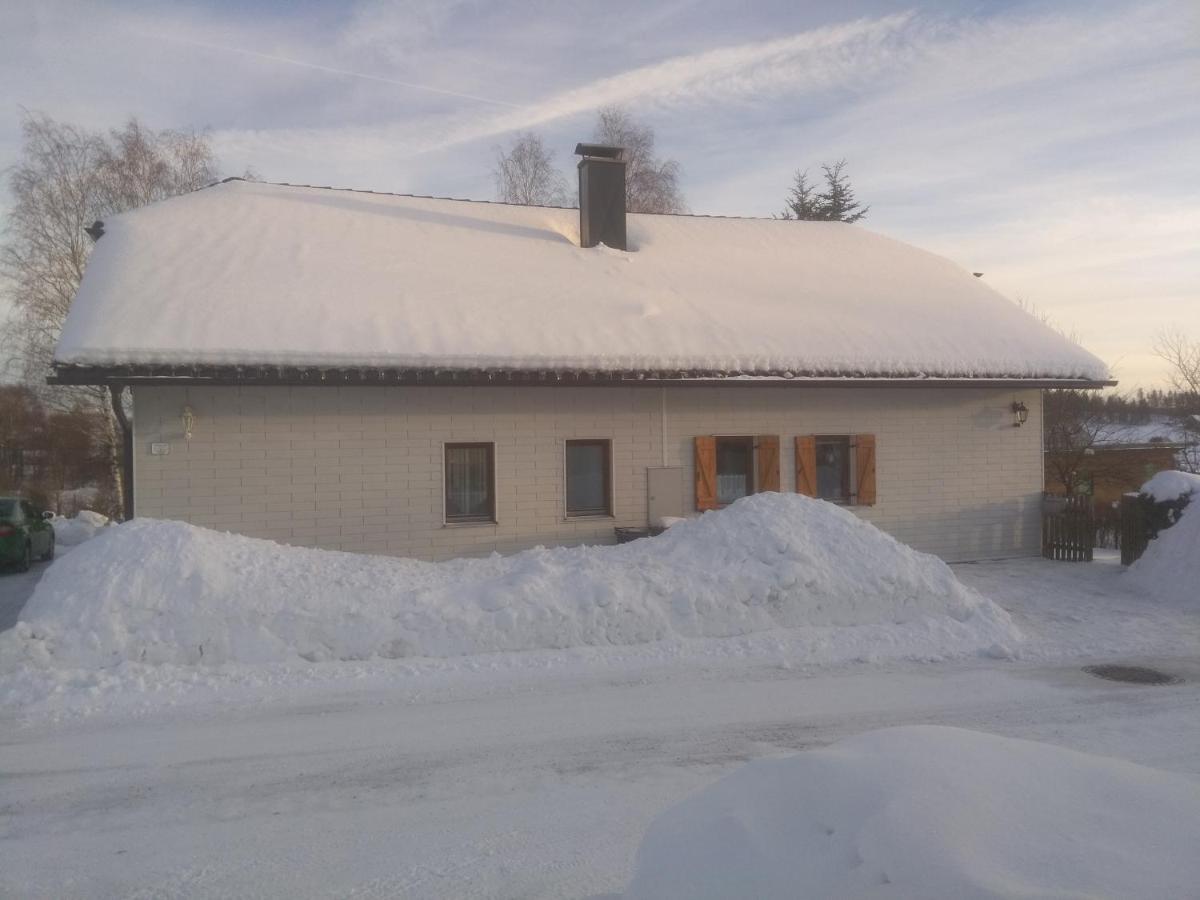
(802, 204)
(836, 203)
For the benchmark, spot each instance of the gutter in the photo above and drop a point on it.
(226, 375)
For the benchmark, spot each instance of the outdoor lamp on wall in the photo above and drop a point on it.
(1020, 413)
(189, 418)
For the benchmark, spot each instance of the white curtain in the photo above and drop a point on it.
(468, 482)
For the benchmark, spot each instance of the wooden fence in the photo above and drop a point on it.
(1068, 529)
(1135, 527)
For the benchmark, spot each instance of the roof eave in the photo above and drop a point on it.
(186, 375)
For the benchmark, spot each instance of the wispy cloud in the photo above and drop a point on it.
(819, 59)
(328, 70)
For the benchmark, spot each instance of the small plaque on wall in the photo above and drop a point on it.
(160, 449)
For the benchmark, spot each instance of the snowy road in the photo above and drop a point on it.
(526, 790)
(534, 780)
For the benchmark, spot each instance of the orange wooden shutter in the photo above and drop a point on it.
(865, 468)
(768, 462)
(706, 473)
(806, 465)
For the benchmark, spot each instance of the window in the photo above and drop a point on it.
(735, 468)
(729, 468)
(838, 468)
(470, 483)
(589, 489)
(833, 469)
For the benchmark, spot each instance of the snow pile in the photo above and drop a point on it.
(165, 592)
(1166, 487)
(249, 273)
(1170, 567)
(82, 527)
(929, 812)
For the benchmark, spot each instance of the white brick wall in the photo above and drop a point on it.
(361, 468)
(954, 477)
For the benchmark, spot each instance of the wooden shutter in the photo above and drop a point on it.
(767, 474)
(706, 473)
(806, 465)
(864, 456)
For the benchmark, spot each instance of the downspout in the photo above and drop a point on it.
(1042, 462)
(662, 423)
(96, 231)
(1042, 428)
(115, 395)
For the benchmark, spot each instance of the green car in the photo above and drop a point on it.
(24, 535)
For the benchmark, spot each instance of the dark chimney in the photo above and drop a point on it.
(601, 196)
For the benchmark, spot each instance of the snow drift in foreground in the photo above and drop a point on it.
(164, 592)
(929, 812)
(1170, 567)
(1170, 485)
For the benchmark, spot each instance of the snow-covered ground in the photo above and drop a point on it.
(526, 774)
(928, 811)
(500, 785)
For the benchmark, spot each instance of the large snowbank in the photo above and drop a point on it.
(253, 273)
(1165, 487)
(1170, 567)
(929, 812)
(165, 592)
(83, 526)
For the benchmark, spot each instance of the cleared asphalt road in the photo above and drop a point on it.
(15, 589)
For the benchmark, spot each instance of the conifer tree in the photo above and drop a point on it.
(836, 203)
(802, 204)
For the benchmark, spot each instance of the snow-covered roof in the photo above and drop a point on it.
(248, 273)
(1159, 429)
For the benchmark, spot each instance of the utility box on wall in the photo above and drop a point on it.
(664, 493)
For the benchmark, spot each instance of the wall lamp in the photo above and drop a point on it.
(1020, 413)
(189, 419)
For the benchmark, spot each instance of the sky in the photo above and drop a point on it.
(1055, 147)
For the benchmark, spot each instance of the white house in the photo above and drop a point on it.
(429, 377)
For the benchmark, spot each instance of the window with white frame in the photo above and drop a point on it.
(470, 471)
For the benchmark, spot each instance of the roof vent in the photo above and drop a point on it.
(601, 196)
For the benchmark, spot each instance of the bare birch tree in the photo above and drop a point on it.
(1073, 429)
(651, 184)
(1182, 354)
(66, 179)
(525, 174)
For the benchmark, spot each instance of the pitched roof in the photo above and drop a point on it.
(262, 274)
